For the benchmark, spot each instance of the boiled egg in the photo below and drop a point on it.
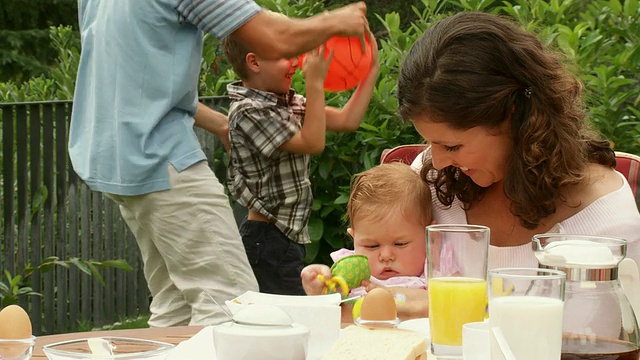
(14, 323)
(15, 331)
(378, 305)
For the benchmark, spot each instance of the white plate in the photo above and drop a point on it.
(419, 325)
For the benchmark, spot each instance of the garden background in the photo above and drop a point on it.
(39, 51)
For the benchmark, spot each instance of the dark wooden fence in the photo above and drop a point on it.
(48, 211)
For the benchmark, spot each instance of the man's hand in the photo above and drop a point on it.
(352, 21)
(273, 36)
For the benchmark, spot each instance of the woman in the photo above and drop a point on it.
(510, 145)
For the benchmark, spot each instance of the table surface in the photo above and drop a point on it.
(172, 335)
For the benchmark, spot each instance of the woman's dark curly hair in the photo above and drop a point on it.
(476, 69)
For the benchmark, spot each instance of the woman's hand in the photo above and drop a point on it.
(416, 304)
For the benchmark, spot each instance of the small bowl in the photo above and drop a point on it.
(17, 349)
(234, 341)
(121, 348)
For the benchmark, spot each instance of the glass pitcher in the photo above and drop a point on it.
(599, 322)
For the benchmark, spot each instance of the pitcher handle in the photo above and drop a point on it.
(630, 283)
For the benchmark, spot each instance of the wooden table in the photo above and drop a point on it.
(172, 335)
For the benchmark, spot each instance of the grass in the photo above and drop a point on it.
(135, 323)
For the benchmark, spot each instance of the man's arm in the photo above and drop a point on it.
(214, 122)
(273, 36)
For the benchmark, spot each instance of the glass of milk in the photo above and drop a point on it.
(528, 305)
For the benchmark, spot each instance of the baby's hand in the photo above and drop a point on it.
(310, 282)
(368, 285)
(315, 66)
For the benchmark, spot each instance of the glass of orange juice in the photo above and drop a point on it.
(457, 280)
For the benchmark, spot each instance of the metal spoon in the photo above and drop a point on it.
(230, 315)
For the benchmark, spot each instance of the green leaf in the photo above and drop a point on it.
(7, 274)
(316, 229)
(95, 273)
(24, 291)
(118, 264)
(616, 7)
(39, 198)
(312, 251)
(326, 211)
(342, 199)
(323, 170)
(82, 266)
(336, 242)
(631, 8)
(9, 300)
(15, 281)
(369, 127)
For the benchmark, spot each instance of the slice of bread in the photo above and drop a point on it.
(362, 343)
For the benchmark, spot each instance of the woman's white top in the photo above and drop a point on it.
(615, 214)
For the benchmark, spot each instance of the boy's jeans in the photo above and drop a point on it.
(276, 260)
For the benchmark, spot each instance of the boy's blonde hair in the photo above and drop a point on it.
(389, 187)
(236, 54)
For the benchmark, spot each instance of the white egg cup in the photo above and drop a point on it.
(17, 349)
(377, 323)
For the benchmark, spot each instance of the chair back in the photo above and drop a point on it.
(629, 166)
(403, 153)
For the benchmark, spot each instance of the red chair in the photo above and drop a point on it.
(402, 153)
(627, 164)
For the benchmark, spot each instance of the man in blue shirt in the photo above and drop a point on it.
(132, 137)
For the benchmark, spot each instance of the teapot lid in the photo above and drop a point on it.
(578, 253)
(581, 257)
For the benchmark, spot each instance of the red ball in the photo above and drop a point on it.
(349, 65)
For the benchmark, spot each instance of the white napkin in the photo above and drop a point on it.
(199, 347)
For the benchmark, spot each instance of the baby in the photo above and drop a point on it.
(388, 210)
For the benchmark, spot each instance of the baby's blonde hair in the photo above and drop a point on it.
(389, 187)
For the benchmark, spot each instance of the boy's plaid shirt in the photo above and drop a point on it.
(261, 176)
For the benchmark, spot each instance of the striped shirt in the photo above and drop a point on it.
(217, 17)
(261, 176)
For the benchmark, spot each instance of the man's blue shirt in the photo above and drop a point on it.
(136, 90)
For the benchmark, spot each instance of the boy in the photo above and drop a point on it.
(388, 210)
(272, 132)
